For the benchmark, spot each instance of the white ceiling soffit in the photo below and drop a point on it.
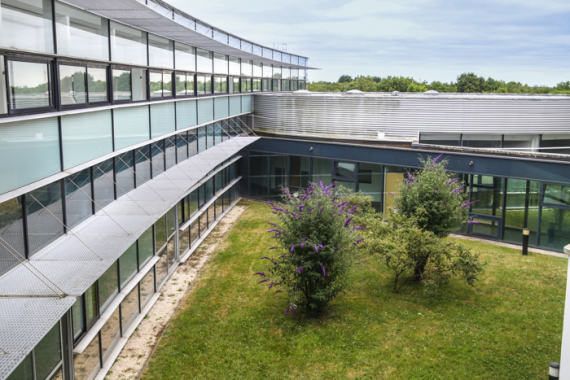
(141, 16)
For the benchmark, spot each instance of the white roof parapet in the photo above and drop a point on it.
(160, 18)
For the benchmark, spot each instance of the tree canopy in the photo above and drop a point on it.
(466, 82)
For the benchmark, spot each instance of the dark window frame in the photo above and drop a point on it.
(86, 65)
(165, 73)
(186, 74)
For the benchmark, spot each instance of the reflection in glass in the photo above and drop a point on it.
(276, 85)
(160, 52)
(44, 226)
(26, 25)
(255, 85)
(185, 57)
(160, 231)
(220, 64)
(139, 84)
(554, 227)
(294, 85)
(451, 139)
(167, 84)
(204, 61)
(370, 183)
(88, 362)
(147, 287)
(246, 68)
(322, 171)
(24, 370)
(124, 173)
(11, 232)
(170, 151)
(103, 186)
(204, 84)
(90, 297)
(181, 147)
(29, 85)
(522, 202)
(487, 195)
(128, 45)
(47, 353)
(482, 141)
(128, 265)
(234, 66)
(97, 84)
(393, 176)
(72, 84)
(180, 79)
(556, 194)
(146, 247)
(108, 286)
(129, 309)
(77, 318)
(211, 215)
(81, 34)
(78, 197)
(344, 169)
(550, 141)
(155, 84)
(220, 85)
(121, 85)
(157, 158)
(110, 334)
(142, 165)
(161, 267)
(266, 85)
(277, 174)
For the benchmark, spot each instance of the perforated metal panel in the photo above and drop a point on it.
(23, 323)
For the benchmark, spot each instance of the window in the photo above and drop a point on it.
(124, 173)
(551, 141)
(344, 170)
(139, 84)
(192, 143)
(27, 25)
(160, 232)
(170, 151)
(146, 247)
(30, 85)
(322, 171)
(246, 68)
(157, 149)
(182, 147)
(285, 84)
(122, 89)
(160, 52)
(521, 140)
(370, 183)
(267, 70)
(91, 311)
(246, 84)
(285, 73)
(12, 232)
(204, 61)
(234, 66)
(294, 73)
(47, 353)
(128, 45)
(184, 84)
(77, 316)
(220, 64)
(204, 84)
(78, 205)
(257, 69)
(108, 286)
(209, 136)
(201, 139)
(142, 165)
(256, 85)
(301, 85)
(155, 84)
(103, 186)
(276, 85)
(233, 85)
(481, 140)
(128, 265)
(82, 84)
(81, 34)
(293, 85)
(299, 171)
(277, 174)
(220, 85)
(185, 57)
(43, 227)
(451, 139)
(266, 85)
(276, 71)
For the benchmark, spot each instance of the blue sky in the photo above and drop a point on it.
(520, 40)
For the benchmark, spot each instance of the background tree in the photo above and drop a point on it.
(469, 82)
(345, 79)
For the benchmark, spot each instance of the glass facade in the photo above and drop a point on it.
(128, 45)
(27, 25)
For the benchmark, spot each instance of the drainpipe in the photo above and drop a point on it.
(565, 354)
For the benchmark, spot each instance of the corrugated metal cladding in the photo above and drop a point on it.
(404, 116)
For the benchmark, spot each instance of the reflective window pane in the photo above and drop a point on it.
(90, 297)
(44, 226)
(300, 171)
(204, 84)
(201, 139)
(557, 194)
(11, 232)
(161, 267)
(276, 85)
(180, 79)
(182, 147)
(487, 195)
(160, 232)
(220, 85)
(103, 185)
(155, 84)
(24, 370)
(47, 353)
(78, 205)
(220, 64)
(121, 85)
(87, 363)
(170, 151)
(185, 57)
(522, 202)
(255, 86)
(344, 170)
(128, 265)
(124, 173)
(128, 45)
(370, 183)
(108, 286)
(321, 171)
(142, 165)
(77, 318)
(29, 85)
(482, 141)
(129, 309)
(451, 139)
(157, 158)
(146, 247)
(234, 66)
(160, 52)
(97, 84)
(167, 84)
(110, 334)
(139, 81)
(27, 25)
(72, 84)
(246, 68)
(147, 287)
(554, 227)
(277, 174)
(204, 60)
(81, 34)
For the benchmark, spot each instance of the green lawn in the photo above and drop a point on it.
(507, 327)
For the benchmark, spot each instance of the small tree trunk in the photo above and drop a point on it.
(395, 288)
(419, 270)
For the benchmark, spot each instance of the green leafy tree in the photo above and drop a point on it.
(435, 200)
(345, 79)
(401, 245)
(316, 239)
(469, 82)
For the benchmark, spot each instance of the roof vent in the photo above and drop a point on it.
(431, 92)
(302, 92)
(395, 93)
(354, 92)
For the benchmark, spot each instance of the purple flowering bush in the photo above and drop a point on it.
(315, 239)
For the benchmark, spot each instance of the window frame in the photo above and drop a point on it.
(224, 77)
(205, 75)
(86, 65)
(165, 73)
(186, 75)
(50, 63)
(128, 68)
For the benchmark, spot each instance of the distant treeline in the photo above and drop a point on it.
(467, 82)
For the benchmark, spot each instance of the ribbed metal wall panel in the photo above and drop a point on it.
(363, 116)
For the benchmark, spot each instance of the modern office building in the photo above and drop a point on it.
(129, 128)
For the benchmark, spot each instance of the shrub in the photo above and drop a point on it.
(316, 238)
(402, 245)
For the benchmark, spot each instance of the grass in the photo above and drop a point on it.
(507, 327)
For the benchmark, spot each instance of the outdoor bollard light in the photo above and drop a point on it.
(553, 371)
(526, 233)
